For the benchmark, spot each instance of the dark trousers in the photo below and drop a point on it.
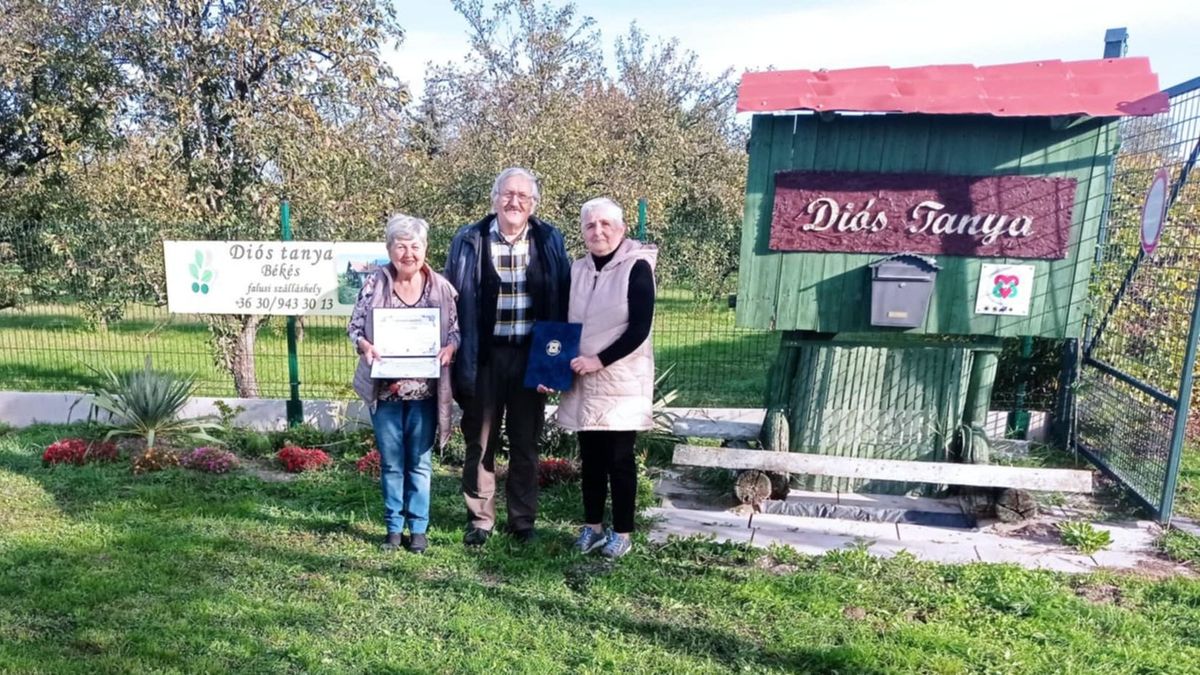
(607, 458)
(501, 396)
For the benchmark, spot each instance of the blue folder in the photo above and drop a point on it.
(552, 345)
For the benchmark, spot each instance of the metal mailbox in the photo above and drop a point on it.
(901, 286)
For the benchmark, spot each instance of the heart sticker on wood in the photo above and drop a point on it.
(1005, 286)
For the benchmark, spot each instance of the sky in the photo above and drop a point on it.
(811, 34)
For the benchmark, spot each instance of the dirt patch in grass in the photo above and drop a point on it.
(1100, 594)
(269, 474)
(491, 580)
(1155, 569)
(854, 613)
(770, 565)
(579, 577)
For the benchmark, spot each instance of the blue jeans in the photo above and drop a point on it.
(404, 432)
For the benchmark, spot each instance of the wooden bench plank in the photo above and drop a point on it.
(981, 475)
(708, 428)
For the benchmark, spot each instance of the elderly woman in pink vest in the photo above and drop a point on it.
(406, 413)
(612, 295)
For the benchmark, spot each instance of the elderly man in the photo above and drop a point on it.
(510, 269)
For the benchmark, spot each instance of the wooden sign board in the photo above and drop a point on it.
(976, 216)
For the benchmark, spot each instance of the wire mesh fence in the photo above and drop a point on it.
(65, 312)
(1135, 352)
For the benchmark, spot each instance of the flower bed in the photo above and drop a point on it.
(297, 460)
(369, 463)
(553, 471)
(78, 452)
(210, 460)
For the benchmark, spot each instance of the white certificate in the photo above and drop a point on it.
(405, 367)
(408, 332)
(408, 340)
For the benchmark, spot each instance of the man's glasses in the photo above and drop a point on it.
(521, 197)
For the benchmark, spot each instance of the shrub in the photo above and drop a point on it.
(302, 436)
(66, 451)
(78, 452)
(553, 471)
(296, 459)
(369, 463)
(103, 451)
(248, 442)
(210, 460)
(154, 459)
(557, 442)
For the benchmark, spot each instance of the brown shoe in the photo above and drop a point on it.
(418, 544)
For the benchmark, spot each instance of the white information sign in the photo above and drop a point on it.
(1154, 212)
(268, 277)
(408, 341)
(1004, 289)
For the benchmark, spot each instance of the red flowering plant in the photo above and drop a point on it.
(210, 460)
(369, 463)
(66, 451)
(553, 471)
(296, 459)
(78, 452)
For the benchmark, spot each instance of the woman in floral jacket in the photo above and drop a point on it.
(406, 413)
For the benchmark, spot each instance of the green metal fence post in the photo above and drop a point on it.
(1182, 409)
(641, 233)
(1065, 400)
(295, 407)
(1018, 419)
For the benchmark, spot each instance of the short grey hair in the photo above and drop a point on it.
(400, 226)
(601, 203)
(516, 171)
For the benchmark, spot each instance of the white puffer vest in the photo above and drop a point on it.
(621, 396)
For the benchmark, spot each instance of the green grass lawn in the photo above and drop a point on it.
(1187, 494)
(49, 348)
(102, 571)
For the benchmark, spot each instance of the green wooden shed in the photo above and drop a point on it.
(995, 177)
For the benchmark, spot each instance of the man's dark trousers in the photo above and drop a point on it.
(501, 394)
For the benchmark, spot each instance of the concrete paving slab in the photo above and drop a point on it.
(1132, 548)
(1187, 525)
(690, 509)
(1045, 560)
(950, 555)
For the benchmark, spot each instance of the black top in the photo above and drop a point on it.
(641, 310)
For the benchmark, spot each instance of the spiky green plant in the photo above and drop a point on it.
(146, 403)
(664, 420)
(657, 444)
(1083, 536)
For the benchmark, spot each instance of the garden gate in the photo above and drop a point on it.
(1133, 391)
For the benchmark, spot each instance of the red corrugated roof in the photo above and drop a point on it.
(1099, 88)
